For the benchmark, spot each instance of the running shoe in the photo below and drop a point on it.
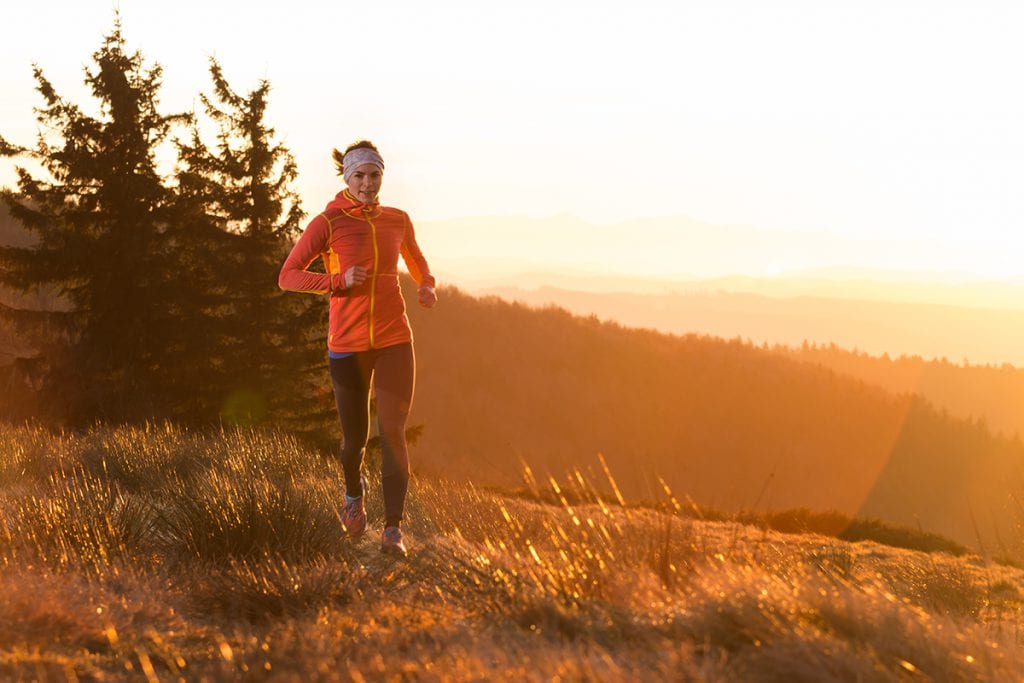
(391, 542)
(353, 515)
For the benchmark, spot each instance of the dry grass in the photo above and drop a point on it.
(159, 554)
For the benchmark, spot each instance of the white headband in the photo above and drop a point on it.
(359, 157)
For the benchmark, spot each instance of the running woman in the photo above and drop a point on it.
(369, 340)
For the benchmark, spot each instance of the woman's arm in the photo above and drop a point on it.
(294, 277)
(418, 267)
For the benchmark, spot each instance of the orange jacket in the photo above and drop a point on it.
(349, 233)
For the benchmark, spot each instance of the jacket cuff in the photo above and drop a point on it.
(337, 285)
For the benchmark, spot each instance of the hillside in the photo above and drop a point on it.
(726, 423)
(162, 554)
(988, 393)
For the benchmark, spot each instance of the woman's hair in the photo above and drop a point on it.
(340, 156)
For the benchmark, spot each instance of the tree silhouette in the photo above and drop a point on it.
(100, 213)
(267, 347)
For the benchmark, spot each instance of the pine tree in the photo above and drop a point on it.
(269, 350)
(104, 251)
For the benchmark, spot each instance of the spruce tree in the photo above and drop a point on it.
(268, 349)
(104, 252)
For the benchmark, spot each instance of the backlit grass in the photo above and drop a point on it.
(161, 554)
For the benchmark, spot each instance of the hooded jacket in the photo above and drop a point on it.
(350, 233)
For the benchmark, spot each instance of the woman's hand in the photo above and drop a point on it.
(355, 276)
(427, 296)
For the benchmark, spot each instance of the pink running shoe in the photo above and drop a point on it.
(391, 542)
(353, 515)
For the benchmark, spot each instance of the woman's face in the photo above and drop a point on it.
(364, 184)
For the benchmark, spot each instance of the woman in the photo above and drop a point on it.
(369, 337)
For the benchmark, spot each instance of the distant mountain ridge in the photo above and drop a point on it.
(983, 336)
(859, 284)
(670, 247)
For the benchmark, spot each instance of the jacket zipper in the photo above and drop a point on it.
(373, 278)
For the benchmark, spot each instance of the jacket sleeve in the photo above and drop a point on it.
(312, 243)
(414, 259)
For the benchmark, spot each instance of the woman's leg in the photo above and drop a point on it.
(350, 380)
(394, 377)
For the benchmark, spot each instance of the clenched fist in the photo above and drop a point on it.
(355, 276)
(427, 296)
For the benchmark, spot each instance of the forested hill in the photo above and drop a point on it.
(725, 423)
(989, 393)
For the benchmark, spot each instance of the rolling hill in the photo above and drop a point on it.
(726, 423)
(993, 395)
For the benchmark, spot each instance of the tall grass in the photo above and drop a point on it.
(154, 552)
(577, 489)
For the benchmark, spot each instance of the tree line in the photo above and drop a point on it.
(162, 286)
(989, 394)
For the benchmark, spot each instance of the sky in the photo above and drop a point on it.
(894, 124)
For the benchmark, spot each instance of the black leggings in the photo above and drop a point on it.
(392, 371)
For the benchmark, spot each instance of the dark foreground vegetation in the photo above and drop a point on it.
(159, 553)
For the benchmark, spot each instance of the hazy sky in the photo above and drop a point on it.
(893, 119)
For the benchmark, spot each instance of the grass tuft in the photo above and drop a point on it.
(269, 588)
(231, 515)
